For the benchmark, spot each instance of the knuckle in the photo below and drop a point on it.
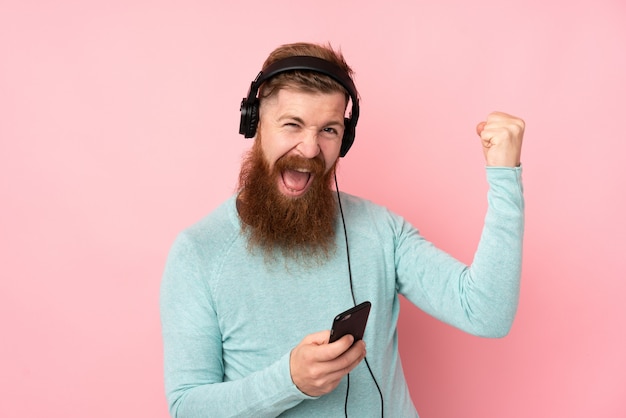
(314, 375)
(345, 364)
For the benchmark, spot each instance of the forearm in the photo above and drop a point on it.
(490, 287)
(266, 393)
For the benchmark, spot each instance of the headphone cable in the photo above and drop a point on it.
(345, 234)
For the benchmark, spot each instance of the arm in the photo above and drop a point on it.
(481, 298)
(194, 370)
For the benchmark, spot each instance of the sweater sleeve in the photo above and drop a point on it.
(482, 298)
(194, 371)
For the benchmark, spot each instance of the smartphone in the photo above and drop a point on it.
(352, 322)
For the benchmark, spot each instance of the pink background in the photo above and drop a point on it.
(118, 128)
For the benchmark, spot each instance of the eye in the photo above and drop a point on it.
(331, 131)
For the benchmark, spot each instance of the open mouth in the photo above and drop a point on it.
(295, 182)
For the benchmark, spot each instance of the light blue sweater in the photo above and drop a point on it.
(230, 318)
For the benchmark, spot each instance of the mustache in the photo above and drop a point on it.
(316, 165)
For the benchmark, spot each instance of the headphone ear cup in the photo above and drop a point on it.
(249, 118)
(348, 137)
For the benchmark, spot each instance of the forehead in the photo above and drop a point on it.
(297, 100)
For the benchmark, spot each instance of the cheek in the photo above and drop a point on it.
(275, 144)
(331, 155)
(329, 160)
(271, 151)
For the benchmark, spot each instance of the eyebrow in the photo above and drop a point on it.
(301, 121)
(290, 117)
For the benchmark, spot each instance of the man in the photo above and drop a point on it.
(249, 292)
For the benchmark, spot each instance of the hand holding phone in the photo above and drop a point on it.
(352, 321)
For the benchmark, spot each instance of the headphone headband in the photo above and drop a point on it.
(250, 104)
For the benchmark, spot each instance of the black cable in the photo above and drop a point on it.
(345, 404)
(380, 393)
(345, 235)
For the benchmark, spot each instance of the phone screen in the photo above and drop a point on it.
(352, 322)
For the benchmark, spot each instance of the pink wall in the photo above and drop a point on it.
(118, 128)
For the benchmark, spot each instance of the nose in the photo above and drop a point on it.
(309, 146)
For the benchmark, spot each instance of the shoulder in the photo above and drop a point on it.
(222, 219)
(213, 231)
(370, 219)
(364, 209)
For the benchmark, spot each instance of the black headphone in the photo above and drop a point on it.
(250, 105)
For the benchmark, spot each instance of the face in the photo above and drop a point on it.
(286, 201)
(302, 127)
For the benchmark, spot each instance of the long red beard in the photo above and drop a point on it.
(301, 228)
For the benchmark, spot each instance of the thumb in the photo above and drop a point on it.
(480, 127)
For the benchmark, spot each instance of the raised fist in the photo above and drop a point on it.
(501, 136)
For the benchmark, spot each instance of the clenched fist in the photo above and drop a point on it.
(501, 136)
